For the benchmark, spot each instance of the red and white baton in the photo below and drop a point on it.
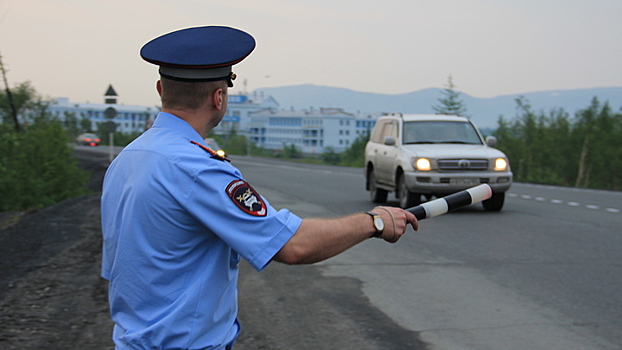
(451, 202)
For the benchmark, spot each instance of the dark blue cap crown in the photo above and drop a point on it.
(199, 53)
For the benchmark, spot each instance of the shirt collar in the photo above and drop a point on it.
(171, 121)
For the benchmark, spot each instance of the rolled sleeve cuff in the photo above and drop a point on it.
(289, 228)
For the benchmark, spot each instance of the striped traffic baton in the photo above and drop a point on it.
(451, 202)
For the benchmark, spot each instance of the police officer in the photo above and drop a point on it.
(177, 218)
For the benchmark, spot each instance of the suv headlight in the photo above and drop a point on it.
(501, 164)
(423, 164)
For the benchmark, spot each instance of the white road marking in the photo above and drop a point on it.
(559, 201)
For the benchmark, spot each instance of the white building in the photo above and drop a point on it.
(311, 131)
(253, 115)
(239, 109)
(128, 118)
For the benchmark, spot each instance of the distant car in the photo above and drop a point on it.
(215, 147)
(432, 155)
(88, 139)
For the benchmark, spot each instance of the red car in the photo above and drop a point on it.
(88, 139)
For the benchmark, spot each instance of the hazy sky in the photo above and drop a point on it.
(76, 48)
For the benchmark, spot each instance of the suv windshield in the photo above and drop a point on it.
(439, 132)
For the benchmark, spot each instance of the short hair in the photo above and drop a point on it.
(187, 95)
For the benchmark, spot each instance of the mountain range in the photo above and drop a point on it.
(485, 112)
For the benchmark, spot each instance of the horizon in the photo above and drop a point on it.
(484, 111)
(233, 92)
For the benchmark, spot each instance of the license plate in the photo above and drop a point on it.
(463, 182)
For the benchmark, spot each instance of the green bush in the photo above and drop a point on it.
(330, 156)
(37, 168)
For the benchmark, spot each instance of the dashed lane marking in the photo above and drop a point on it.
(559, 201)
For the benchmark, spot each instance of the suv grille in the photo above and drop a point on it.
(462, 164)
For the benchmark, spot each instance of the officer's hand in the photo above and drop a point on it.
(396, 222)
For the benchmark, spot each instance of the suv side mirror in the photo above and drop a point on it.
(491, 141)
(389, 141)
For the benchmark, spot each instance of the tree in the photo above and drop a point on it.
(21, 100)
(71, 124)
(37, 167)
(355, 154)
(451, 103)
(10, 103)
(598, 130)
(586, 152)
(85, 124)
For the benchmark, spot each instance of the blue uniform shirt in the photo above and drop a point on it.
(175, 223)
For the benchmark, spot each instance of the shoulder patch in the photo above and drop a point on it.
(246, 198)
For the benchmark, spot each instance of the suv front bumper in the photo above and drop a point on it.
(446, 183)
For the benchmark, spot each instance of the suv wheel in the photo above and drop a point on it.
(377, 195)
(407, 199)
(495, 203)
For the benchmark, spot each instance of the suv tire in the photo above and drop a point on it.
(495, 203)
(407, 199)
(377, 195)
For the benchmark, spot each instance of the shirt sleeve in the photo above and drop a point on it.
(234, 211)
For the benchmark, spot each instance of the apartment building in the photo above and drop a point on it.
(254, 115)
(127, 118)
(312, 130)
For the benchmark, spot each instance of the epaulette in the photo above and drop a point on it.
(212, 153)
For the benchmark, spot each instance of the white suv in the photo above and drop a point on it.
(432, 155)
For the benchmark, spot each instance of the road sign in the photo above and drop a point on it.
(110, 113)
(110, 126)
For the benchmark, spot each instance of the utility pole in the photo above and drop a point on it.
(9, 96)
(111, 127)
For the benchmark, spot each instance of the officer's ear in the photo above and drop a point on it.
(159, 87)
(218, 98)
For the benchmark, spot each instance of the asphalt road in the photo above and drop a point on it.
(544, 273)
